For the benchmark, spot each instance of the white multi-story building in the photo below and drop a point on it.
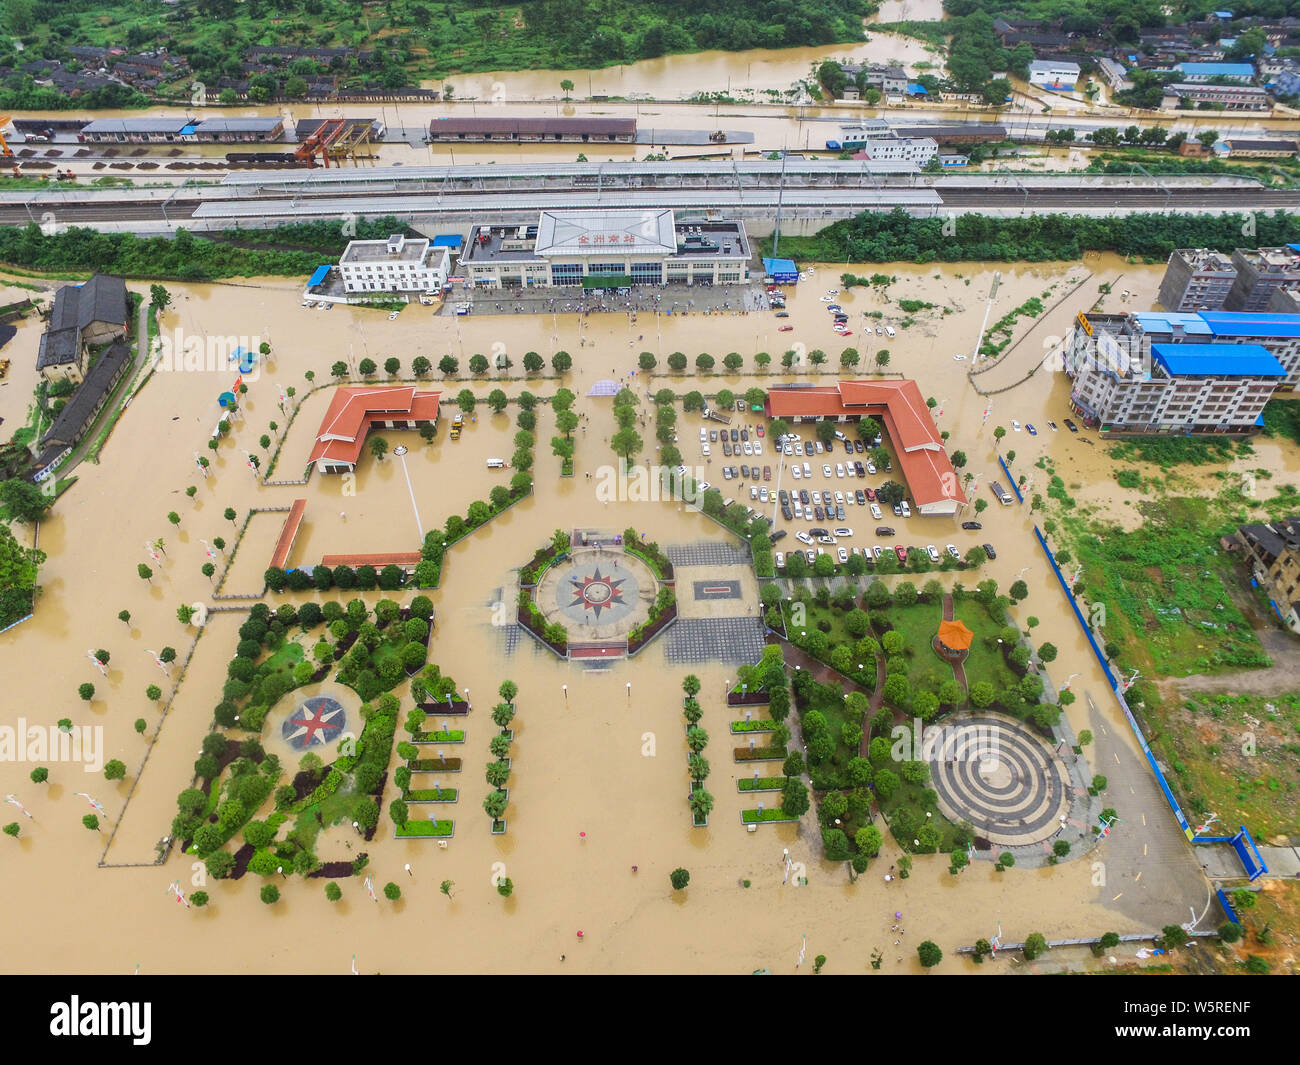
(606, 249)
(1128, 382)
(397, 264)
(880, 142)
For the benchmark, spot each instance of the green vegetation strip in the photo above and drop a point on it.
(872, 237)
(431, 795)
(754, 817)
(761, 784)
(428, 829)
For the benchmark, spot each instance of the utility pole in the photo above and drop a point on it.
(780, 193)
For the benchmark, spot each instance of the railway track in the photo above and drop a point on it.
(236, 204)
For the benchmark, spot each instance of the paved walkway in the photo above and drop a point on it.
(958, 665)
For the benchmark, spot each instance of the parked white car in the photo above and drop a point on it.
(875, 511)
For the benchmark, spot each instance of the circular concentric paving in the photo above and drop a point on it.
(996, 774)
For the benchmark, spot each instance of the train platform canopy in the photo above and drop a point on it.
(319, 275)
(783, 271)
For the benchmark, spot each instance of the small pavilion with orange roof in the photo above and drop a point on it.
(953, 639)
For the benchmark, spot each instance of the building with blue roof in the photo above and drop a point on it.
(1216, 360)
(782, 271)
(1170, 372)
(1200, 72)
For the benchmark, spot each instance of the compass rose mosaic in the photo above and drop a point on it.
(315, 723)
(596, 593)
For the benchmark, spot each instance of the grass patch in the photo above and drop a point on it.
(1166, 452)
(1169, 611)
(912, 798)
(754, 817)
(761, 784)
(431, 795)
(753, 726)
(426, 829)
(453, 735)
(1200, 739)
(1282, 418)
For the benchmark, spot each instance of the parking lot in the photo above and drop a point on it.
(823, 500)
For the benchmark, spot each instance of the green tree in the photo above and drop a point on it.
(392, 892)
(929, 954)
(1035, 944)
(24, 501)
(561, 362)
(794, 798)
(270, 894)
(114, 770)
(86, 691)
(679, 878)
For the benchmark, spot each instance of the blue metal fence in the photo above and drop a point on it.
(1014, 487)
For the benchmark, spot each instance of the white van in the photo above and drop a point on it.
(889, 330)
(496, 464)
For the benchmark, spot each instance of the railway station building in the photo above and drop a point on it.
(606, 249)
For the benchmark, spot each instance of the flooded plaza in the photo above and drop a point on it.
(598, 816)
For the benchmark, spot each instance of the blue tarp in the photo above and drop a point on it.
(318, 276)
(448, 240)
(915, 88)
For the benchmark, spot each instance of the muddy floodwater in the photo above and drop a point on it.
(603, 759)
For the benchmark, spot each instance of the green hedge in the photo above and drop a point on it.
(752, 817)
(763, 784)
(416, 829)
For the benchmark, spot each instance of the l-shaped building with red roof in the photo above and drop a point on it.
(931, 480)
(354, 412)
